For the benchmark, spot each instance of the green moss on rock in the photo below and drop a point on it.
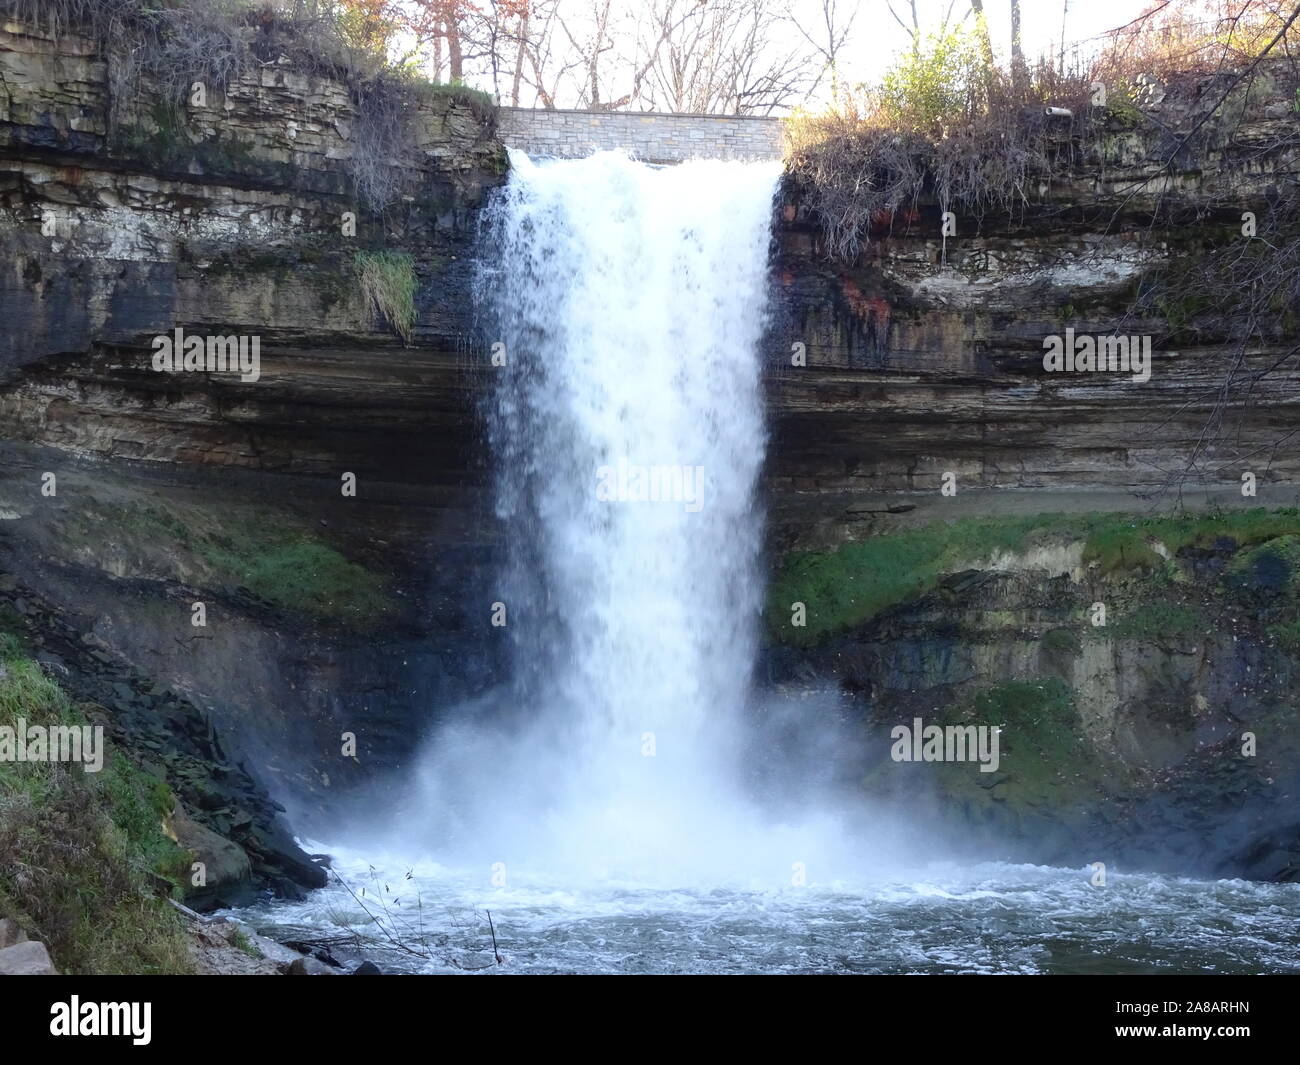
(847, 587)
(1161, 620)
(267, 555)
(1046, 763)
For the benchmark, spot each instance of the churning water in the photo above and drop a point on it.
(602, 803)
(979, 918)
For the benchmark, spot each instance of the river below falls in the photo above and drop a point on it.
(987, 918)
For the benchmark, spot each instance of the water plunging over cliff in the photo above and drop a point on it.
(627, 428)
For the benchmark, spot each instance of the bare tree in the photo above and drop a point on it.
(1017, 51)
(1065, 14)
(914, 30)
(827, 41)
(982, 31)
(721, 56)
(732, 56)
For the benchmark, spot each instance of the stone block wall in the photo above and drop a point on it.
(655, 138)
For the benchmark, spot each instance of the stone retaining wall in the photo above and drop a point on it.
(655, 138)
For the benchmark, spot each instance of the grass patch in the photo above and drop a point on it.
(1287, 635)
(1162, 620)
(295, 572)
(240, 941)
(78, 850)
(1271, 567)
(1126, 545)
(849, 586)
(1122, 548)
(388, 283)
(264, 555)
(276, 563)
(478, 101)
(1062, 641)
(1048, 769)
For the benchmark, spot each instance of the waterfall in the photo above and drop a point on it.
(628, 304)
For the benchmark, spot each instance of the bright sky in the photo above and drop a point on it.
(879, 38)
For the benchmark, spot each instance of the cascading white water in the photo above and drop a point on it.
(628, 431)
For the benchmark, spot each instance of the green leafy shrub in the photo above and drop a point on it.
(939, 83)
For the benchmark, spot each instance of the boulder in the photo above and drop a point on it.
(277, 952)
(26, 959)
(228, 872)
(310, 967)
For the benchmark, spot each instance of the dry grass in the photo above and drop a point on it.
(948, 128)
(861, 162)
(1195, 38)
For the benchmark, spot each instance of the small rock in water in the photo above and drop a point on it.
(367, 968)
(309, 967)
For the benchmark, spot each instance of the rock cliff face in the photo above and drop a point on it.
(329, 613)
(926, 356)
(238, 218)
(979, 605)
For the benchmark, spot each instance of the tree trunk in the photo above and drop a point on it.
(986, 44)
(454, 60)
(1017, 53)
(519, 61)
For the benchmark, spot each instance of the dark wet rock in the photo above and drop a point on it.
(228, 873)
(1166, 741)
(310, 967)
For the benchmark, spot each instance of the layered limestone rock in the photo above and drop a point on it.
(238, 216)
(925, 356)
